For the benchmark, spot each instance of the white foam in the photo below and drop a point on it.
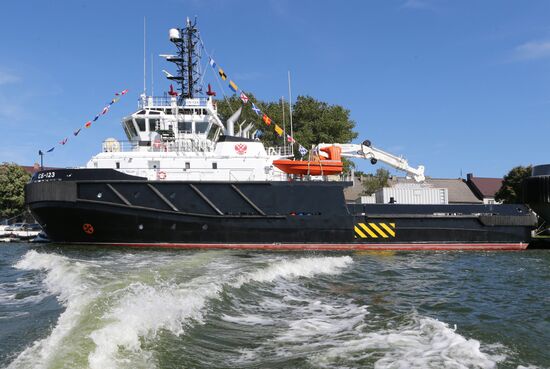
(304, 267)
(141, 313)
(424, 343)
(64, 279)
(9, 292)
(323, 320)
(249, 319)
(305, 322)
(143, 310)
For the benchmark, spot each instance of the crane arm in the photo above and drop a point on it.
(366, 151)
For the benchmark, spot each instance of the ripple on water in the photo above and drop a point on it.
(162, 309)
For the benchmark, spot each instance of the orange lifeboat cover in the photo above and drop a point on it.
(314, 168)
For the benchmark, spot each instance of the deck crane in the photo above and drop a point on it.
(367, 151)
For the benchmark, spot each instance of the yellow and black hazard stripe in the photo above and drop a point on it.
(374, 230)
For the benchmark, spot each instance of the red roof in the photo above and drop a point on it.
(487, 187)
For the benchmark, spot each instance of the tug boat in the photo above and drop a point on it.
(185, 179)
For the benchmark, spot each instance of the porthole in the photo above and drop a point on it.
(99, 195)
(140, 227)
(136, 194)
(173, 195)
(204, 227)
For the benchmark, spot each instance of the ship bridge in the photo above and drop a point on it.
(161, 123)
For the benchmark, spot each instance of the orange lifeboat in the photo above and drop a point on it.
(321, 166)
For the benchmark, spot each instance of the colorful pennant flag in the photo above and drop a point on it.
(88, 124)
(256, 109)
(245, 99)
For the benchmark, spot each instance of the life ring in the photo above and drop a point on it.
(88, 228)
(161, 175)
(158, 145)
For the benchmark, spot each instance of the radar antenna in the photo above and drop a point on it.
(187, 60)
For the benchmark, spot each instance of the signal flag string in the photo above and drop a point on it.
(88, 124)
(244, 98)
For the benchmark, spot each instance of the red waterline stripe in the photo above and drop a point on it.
(330, 247)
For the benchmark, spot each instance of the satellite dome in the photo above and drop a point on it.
(111, 145)
(174, 34)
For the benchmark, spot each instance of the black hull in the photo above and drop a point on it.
(279, 215)
(536, 191)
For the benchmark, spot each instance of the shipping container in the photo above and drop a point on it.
(412, 195)
(368, 199)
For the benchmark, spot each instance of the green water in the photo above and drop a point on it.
(103, 308)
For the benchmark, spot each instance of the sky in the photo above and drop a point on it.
(457, 86)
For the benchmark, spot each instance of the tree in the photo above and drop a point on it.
(12, 184)
(511, 191)
(314, 121)
(373, 183)
(318, 122)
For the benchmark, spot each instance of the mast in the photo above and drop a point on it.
(144, 59)
(290, 112)
(187, 60)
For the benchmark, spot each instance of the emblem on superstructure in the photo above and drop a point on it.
(240, 148)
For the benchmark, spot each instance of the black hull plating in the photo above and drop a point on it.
(137, 212)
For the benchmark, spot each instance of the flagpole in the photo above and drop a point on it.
(284, 128)
(144, 59)
(290, 109)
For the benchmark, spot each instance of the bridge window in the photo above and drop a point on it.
(141, 124)
(131, 130)
(201, 127)
(184, 127)
(154, 124)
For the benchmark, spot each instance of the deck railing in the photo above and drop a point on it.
(179, 146)
(151, 101)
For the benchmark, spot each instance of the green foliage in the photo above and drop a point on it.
(314, 121)
(318, 122)
(12, 183)
(372, 183)
(511, 191)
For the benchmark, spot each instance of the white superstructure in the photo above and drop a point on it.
(180, 137)
(168, 141)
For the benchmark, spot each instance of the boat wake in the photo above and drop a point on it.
(116, 319)
(331, 331)
(207, 309)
